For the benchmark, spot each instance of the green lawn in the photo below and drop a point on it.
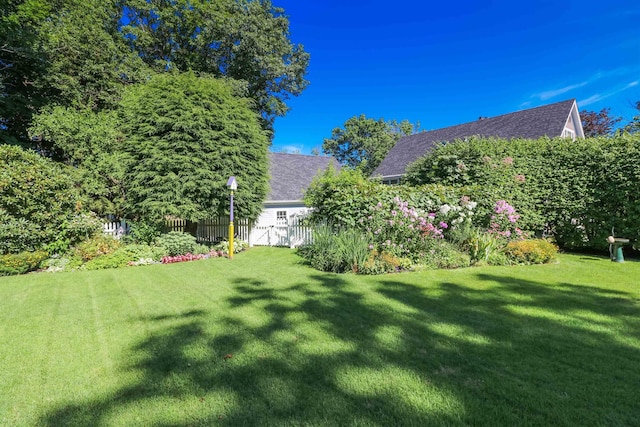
(266, 340)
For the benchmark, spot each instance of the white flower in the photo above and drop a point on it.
(444, 209)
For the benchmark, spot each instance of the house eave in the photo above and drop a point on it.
(283, 202)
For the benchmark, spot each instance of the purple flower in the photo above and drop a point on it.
(443, 224)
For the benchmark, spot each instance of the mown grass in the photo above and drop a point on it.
(265, 340)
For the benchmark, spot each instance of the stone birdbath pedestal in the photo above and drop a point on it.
(615, 248)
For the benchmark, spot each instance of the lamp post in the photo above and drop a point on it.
(233, 185)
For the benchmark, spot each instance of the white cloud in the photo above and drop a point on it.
(600, 75)
(599, 97)
(553, 93)
(591, 100)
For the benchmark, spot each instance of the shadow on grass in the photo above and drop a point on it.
(391, 352)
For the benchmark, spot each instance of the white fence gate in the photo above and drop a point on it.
(280, 235)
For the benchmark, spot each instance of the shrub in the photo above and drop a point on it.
(115, 259)
(446, 255)
(223, 247)
(177, 243)
(323, 253)
(531, 251)
(37, 195)
(337, 250)
(481, 245)
(383, 262)
(97, 245)
(20, 263)
(353, 249)
(128, 255)
(145, 232)
(18, 234)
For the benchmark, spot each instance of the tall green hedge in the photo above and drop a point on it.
(37, 197)
(576, 191)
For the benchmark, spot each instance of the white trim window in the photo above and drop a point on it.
(281, 217)
(391, 181)
(568, 133)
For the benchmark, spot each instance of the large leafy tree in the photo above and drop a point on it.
(598, 123)
(22, 64)
(634, 124)
(89, 60)
(185, 136)
(364, 142)
(246, 40)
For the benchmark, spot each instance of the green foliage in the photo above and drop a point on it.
(345, 198)
(79, 228)
(144, 232)
(20, 263)
(186, 136)
(575, 191)
(363, 143)
(22, 64)
(89, 60)
(238, 246)
(127, 255)
(634, 124)
(96, 246)
(177, 243)
(37, 197)
(17, 234)
(446, 255)
(340, 250)
(481, 246)
(239, 39)
(382, 263)
(92, 143)
(531, 251)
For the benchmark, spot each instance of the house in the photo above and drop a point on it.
(290, 175)
(560, 119)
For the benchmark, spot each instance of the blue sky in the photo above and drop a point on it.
(445, 63)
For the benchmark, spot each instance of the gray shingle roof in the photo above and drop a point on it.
(547, 120)
(291, 174)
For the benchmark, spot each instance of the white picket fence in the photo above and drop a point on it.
(116, 229)
(281, 235)
(290, 235)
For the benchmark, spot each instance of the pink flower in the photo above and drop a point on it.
(443, 224)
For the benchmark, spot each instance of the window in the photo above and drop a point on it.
(394, 181)
(281, 217)
(568, 133)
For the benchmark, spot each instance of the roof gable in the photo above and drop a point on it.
(291, 174)
(547, 120)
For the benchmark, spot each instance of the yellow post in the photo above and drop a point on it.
(233, 185)
(231, 240)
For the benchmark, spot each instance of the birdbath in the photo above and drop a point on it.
(616, 244)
